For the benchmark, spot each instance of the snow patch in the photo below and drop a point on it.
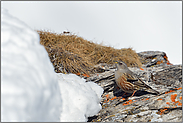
(80, 99)
(29, 86)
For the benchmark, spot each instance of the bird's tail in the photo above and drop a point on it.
(155, 91)
(147, 86)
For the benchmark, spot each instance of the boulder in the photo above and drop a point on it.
(143, 106)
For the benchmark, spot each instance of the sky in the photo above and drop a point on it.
(144, 26)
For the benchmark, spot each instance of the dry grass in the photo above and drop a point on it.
(73, 54)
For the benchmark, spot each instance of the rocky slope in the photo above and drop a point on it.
(144, 106)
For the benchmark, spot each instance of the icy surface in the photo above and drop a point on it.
(30, 89)
(29, 86)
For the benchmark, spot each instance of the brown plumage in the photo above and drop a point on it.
(128, 81)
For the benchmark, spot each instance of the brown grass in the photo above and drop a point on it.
(73, 54)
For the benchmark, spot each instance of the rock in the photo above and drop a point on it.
(143, 106)
(169, 76)
(150, 58)
(102, 67)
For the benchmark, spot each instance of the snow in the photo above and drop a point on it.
(30, 89)
(81, 99)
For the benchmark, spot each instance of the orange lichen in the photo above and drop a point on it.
(176, 101)
(107, 100)
(165, 109)
(123, 99)
(107, 96)
(168, 63)
(165, 57)
(179, 104)
(173, 97)
(141, 69)
(160, 99)
(147, 98)
(128, 102)
(78, 74)
(179, 88)
(169, 91)
(86, 75)
(125, 103)
(114, 98)
(162, 111)
(158, 62)
(180, 97)
(168, 103)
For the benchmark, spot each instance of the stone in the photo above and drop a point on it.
(143, 106)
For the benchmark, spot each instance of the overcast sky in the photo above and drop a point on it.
(144, 26)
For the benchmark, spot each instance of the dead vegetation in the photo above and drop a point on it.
(72, 54)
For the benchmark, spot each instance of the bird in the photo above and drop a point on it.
(128, 81)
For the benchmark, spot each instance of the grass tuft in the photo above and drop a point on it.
(72, 54)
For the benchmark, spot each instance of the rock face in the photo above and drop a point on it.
(150, 58)
(143, 106)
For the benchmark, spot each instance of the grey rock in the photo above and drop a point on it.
(143, 106)
(150, 58)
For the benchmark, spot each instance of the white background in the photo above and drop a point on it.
(144, 26)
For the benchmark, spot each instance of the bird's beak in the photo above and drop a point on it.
(115, 61)
(116, 64)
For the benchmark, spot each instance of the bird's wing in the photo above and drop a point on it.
(132, 78)
(138, 83)
(141, 85)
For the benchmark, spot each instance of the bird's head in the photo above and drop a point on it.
(120, 65)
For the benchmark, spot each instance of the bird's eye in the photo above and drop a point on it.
(120, 63)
